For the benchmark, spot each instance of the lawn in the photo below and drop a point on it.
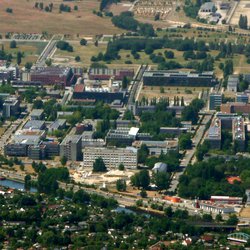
(30, 50)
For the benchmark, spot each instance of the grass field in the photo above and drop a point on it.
(188, 93)
(27, 19)
(30, 50)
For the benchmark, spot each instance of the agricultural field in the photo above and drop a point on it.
(28, 19)
(30, 50)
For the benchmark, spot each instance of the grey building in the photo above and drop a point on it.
(215, 101)
(37, 152)
(71, 147)
(241, 97)
(160, 167)
(11, 107)
(34, 124)
(15, 149)
(208, 7)
(233, 83)
(214, 134)
(56, 125)
(36, 114)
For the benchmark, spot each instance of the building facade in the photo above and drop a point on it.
(112, 157)
(71, 148)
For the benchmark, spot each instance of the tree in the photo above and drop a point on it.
(48, 62)
(125, 82)
(121, 167)
(27, 182)
(19, 57)
(99, 165)
(28, 65)
(169, 54)
(76, 8)
(77, 58)
(232, 220)
(143, 193)
(185, 141)
(13, 44)
(121, 185)
(141, 179)
(83, 42)
(161, 180)
(143, 153)
(63, 160)
(169, 212)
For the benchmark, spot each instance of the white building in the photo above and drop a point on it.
(112, 157)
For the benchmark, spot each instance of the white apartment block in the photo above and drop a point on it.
(112, 157)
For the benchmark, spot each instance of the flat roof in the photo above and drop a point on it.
(36, 112)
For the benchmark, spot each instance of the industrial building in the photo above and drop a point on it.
(168, 78)
(106, 74)
(71, 148)
(212, 207)
(112, 157)
(215, 101)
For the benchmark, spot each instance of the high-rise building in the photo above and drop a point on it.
(215, 101)
(71, 147)
(11, 107)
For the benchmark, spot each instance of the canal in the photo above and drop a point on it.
(15, 185)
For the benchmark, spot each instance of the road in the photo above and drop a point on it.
(189, 154)
(48, 52)
(136, 84)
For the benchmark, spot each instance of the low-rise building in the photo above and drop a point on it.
(160, 167)
(226, 199)
(235, 107)
(36, 114)
(112, 157)
(211, 207)
(174, 131)
(241, 97)
(34, 125)
(58, 124)
(208, 7)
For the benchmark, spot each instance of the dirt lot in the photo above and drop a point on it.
(27, 19)
(243, 8)
(187, 93)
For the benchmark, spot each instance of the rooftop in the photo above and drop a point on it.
(63, 71)
(71, 139)
(34, 124)
(36, 112)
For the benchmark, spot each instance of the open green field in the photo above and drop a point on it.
(30, 50)
(28, 19)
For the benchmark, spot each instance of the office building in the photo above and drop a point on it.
(71, 147)
(173, 131)
(8, 73)
(37, 152)
(11, 107)
(238, 131)
(36, 114)
(241, 97)
(106, 74)
(61, 76)
(233, 83)
(214, 134)
(84, 93)
(112, 157)
(15, 149)
(215, 101)
(168, 78)
(235, 107)
(34, 125)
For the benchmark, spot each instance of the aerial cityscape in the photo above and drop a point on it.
(125, 124)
